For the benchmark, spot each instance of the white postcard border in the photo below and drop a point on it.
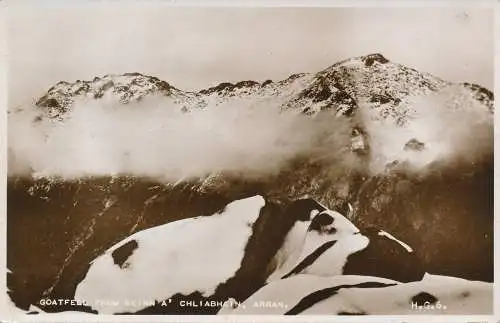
(64, 317)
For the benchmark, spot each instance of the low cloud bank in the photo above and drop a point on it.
(155, 139)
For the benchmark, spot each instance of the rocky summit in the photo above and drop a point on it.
(386, 85)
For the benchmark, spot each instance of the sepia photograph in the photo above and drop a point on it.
(183, 160)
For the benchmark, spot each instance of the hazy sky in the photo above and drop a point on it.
(193, 48)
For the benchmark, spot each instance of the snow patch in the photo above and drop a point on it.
(454, 296)
(291, 290)
(404, 245)
(185, 256)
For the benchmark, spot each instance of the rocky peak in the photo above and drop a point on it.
(370, 59)
(226, 87)
(125, 88)
(414, 145)
(481, 94)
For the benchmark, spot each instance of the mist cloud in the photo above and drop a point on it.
(454, 127)
(153, 138)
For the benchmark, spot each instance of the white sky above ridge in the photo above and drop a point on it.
(194, 48)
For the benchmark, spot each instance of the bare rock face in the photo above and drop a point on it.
(414, 145)
(446, 210)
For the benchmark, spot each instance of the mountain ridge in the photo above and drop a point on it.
(332, 83)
